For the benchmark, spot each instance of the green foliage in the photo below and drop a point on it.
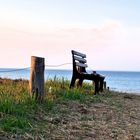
(14, 124)
(60, 89)
(74, 94)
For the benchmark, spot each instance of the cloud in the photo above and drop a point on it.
(17, 42)
(102, 44)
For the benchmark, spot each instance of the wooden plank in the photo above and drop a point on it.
(81, 65)
(80, 59)
(78, 53)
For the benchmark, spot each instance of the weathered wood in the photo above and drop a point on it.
(78, 54)
(82, 60)
(81, 65)
(36, 82)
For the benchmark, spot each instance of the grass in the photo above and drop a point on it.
(18, 110)
(21, 115)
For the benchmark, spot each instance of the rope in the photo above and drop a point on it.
(14, 70)
(58, 65)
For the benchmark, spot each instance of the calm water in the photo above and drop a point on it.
(118, 81)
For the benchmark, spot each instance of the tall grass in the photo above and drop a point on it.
(17, 109)
(19, 113)
(60, 89)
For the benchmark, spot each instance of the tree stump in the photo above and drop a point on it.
(36, 82)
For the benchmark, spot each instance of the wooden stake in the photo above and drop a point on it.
(36, 82)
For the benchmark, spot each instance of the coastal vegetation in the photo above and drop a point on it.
(66, 113)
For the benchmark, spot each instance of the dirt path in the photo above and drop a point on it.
(117, 117)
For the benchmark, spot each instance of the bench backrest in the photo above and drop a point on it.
(79, 61)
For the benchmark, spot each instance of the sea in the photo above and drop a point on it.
(121, 81)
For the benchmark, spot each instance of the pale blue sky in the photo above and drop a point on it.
(108, 29)
(80, 11)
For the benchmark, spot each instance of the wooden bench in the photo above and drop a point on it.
(80, 73)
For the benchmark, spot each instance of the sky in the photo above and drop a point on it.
(107, 31)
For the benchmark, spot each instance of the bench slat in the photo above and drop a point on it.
(79, 54)
(80, 59)
(81, 65)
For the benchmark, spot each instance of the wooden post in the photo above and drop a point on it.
(36, 82)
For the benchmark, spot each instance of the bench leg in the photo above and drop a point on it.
(79, 83)
(72, 82)
(96, 86)
(101, 84)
